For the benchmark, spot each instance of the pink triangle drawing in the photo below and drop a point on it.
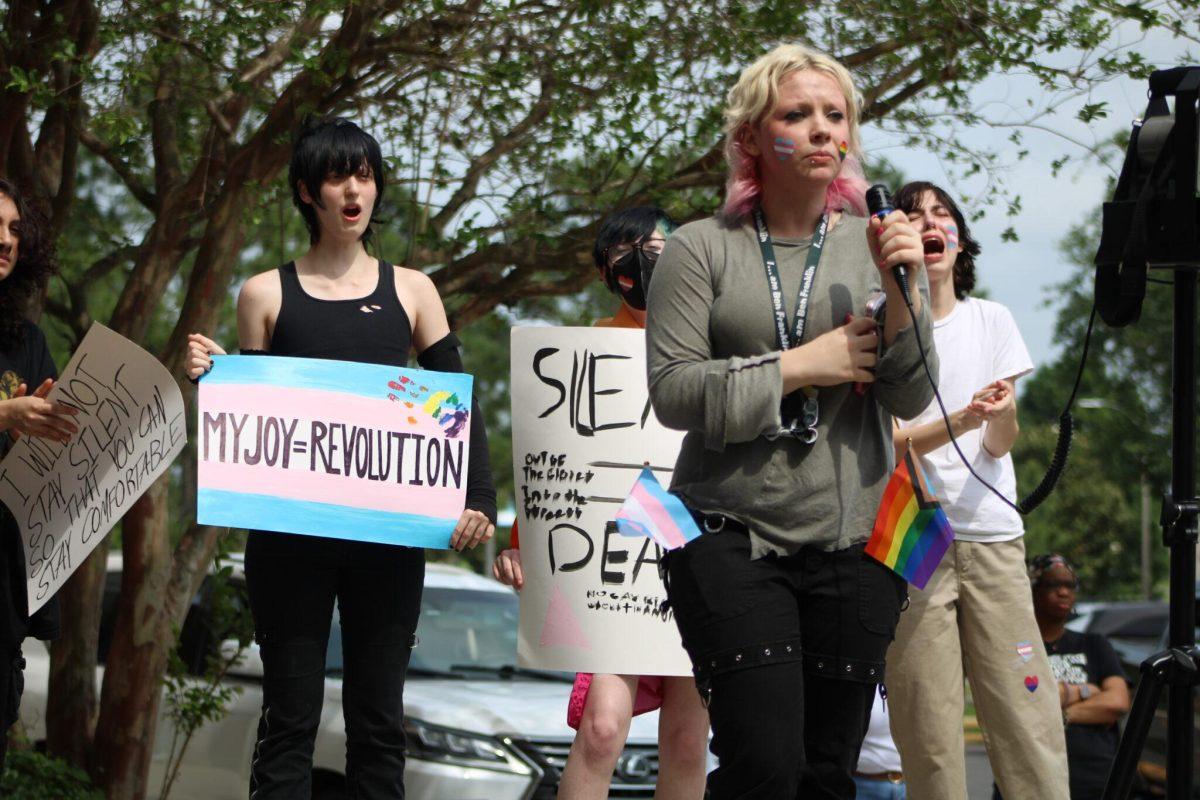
(561, 628)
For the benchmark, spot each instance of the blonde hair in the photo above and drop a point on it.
(755, 95)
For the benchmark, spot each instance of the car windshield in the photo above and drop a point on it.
(460, 630)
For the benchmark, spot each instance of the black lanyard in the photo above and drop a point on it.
(787, 342)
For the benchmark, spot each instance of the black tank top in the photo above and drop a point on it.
(372, 329)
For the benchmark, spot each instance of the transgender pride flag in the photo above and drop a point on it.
(652, 511)
(313, 446)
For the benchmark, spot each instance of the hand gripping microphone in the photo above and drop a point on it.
(879, 203)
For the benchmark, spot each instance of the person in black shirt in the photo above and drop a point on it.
(27, 374)
(1091, 683)
(338, 302)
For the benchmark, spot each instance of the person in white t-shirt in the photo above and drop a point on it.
(878, 775)
(975, 615)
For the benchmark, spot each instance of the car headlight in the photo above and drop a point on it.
(462, 748)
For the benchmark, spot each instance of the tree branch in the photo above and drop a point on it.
(132, 182)
(501, 146)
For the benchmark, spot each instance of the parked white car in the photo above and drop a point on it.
(479, 728)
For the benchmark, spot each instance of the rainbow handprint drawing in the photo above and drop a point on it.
(445, 407)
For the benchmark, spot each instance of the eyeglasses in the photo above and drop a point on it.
(651, 250)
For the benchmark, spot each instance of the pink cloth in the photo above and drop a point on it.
(649, 696)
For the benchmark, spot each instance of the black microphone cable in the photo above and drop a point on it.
(879, 203)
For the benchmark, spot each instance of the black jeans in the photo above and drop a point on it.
(292, 582)
(787, 653)
(12, 685)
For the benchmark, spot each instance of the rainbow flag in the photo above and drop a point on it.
(911, 531)
(652, 511)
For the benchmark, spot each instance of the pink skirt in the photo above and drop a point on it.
(649, 696)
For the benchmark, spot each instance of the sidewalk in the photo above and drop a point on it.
(979, 772)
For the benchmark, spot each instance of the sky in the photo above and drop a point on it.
(1022, 274)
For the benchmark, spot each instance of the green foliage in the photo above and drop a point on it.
(29, 775)
(1122, 431)
(511, 127)
(190, 700)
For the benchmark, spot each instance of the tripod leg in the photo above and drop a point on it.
(1137, 725)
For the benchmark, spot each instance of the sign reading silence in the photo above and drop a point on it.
(583, 432)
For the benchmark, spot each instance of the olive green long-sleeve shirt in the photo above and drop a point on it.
(714, 371)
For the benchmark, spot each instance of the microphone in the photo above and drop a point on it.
(879, 203)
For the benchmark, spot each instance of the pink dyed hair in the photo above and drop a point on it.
(744, 186)
(753, 96)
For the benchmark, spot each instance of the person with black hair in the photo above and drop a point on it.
(26, 264)
(1092, 689)
(338, 302)
(975, 615)
(601, 706)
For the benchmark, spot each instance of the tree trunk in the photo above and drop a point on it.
(71, 714)
(138, 655)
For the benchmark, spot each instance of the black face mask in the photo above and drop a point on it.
(629, 277)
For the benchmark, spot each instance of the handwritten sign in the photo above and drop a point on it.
(333, 448)
(582, 429)
(67, 497)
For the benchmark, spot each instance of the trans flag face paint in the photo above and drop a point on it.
(951, 235)
(784, 148)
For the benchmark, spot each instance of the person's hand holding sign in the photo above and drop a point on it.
(473, 528)
(508, 570)
(36, 416)
(200, 348)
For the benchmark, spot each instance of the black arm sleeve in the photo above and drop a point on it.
(444, 356)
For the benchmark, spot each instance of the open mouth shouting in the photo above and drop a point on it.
(351, 212)
(935, 247)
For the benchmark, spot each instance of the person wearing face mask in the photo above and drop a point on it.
(601, 706)
(27, 375)
(338, 302)
(975, 616)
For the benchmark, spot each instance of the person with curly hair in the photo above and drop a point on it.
(26, 263)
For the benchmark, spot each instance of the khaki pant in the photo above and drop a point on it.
(976, 616)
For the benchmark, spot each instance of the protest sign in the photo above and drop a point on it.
(67, 497)
(333, 448)
(582, 431)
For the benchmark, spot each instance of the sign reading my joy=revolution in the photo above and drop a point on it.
(333, 448)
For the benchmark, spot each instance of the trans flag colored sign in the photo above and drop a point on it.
(333, 448)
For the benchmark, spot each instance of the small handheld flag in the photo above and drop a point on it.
(911, 532)
(652, 511)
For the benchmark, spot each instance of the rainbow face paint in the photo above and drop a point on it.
(784, 148)
(951, 236)
(843, 150)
